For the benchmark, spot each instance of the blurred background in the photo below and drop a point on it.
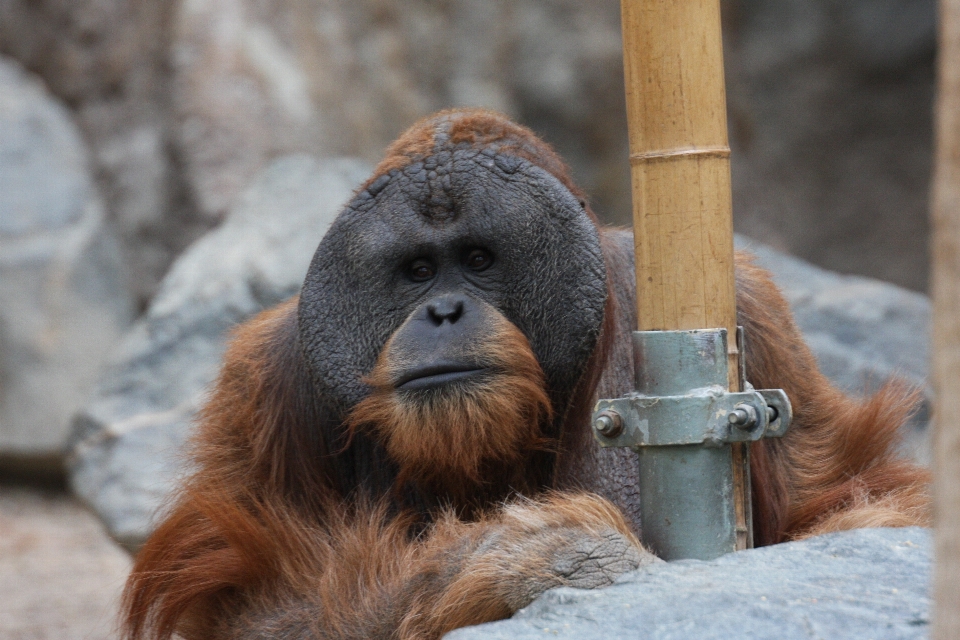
(149, 200)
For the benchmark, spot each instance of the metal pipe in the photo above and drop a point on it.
(686, 491)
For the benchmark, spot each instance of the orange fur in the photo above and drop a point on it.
(371, 579)
(840, 451)
(290, 527)
(499, 579)
(249, 454)
(449, 436)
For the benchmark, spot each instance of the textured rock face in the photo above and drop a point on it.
(63, 301)
(342, 77)
(830, 114)
(128, 438)
(183, 102)
(830, 102)
(870, 583)
(107, 59)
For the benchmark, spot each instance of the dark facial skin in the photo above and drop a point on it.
(435, 246)
(433, 345)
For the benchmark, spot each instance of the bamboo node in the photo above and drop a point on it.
(676, 154)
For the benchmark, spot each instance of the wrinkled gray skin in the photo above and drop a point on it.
(547, 278)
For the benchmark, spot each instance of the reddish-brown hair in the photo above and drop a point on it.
(286, 512)
(254, 463)
(444, 440)
(841, 453)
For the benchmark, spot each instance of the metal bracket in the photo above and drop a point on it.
(711, 416)
(682, 421)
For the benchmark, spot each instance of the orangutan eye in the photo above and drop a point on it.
(478, 259)
(421, 270)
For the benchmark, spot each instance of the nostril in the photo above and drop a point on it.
(457, 311)
(445, 310)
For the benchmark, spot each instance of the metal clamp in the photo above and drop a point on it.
(682, 421)
(710, 416)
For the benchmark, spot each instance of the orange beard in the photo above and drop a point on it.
(447, 434)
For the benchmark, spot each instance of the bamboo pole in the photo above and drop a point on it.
(680, 172)
(677, 119)
(946, 329)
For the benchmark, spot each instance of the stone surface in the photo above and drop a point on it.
(108, 59)
(127, 439)
(60, 574)
(870, 583)
(830, 111)
(830, 104)
(255, 78)
(862, 331)
(63, 300)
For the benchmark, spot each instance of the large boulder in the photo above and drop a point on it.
(63, 299)
(869, 583)
(128, 438)
(108, 59)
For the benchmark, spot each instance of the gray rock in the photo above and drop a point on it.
(869, 583)
(830, 104)
(63, 299)
(108, 60)
(253, 78)
(128, 438)
(863, 332)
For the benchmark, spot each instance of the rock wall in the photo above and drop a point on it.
(108, 61)
(183, 101)
(830, 111)
(63, 300)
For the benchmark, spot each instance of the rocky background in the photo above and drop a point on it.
(167, 166)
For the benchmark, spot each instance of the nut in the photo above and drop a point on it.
(609, 424)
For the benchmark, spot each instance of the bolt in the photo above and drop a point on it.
(609, 424)
(772, 414)
(743, 416)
